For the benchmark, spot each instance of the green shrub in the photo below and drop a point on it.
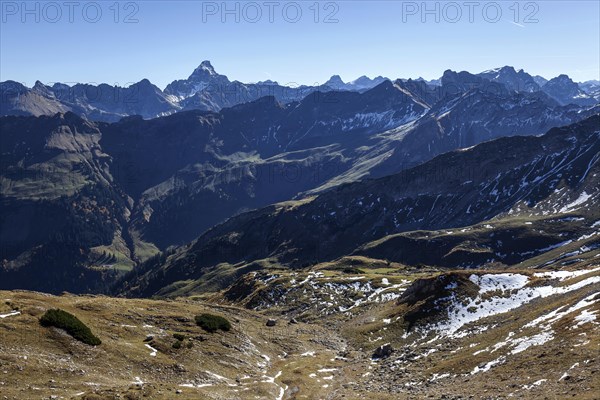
(212, 323)
(71, 324)
(352, 270)
(179, 336)
(177, 344)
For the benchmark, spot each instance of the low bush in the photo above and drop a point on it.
(179, 336)
(352, 270)
(71, 324)
(212, 323)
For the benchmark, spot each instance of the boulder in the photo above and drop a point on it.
(383, 351)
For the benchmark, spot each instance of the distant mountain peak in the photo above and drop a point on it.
(565, 91)
(335, 81)
(365, 80)
(361, 83)
(204, 70)
(40, 88)
(362, 78)
(8, 87)
(267, 82)
(384, 86)
(451, 76)
(563, 78)
(514, 79)
(207, 66)
(505, 69)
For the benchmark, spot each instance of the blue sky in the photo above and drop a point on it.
(390, 38)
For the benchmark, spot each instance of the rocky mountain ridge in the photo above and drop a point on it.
(207, 90)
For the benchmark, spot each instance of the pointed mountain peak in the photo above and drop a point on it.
(204, 76)
(335, 81)
(384, 86)
(204, 70)
(40, 88)
(145, 85)
(206, 65)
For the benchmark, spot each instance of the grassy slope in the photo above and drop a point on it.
(323, 356)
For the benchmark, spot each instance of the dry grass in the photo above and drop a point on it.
(257, 361)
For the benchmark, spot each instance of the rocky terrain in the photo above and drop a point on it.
(352, 329)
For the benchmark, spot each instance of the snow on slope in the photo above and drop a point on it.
(513, 291)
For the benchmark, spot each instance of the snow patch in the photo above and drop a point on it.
(461, 312)
(564, 275)
(534, 384)
(536, 340)
(585, 317)
(10, 314)
(154, 351)
(583, 197)
(486, 367)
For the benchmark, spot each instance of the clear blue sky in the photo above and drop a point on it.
(372, 38)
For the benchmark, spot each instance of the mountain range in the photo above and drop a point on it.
(207, 90)
(103, 197)
(376, 238)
